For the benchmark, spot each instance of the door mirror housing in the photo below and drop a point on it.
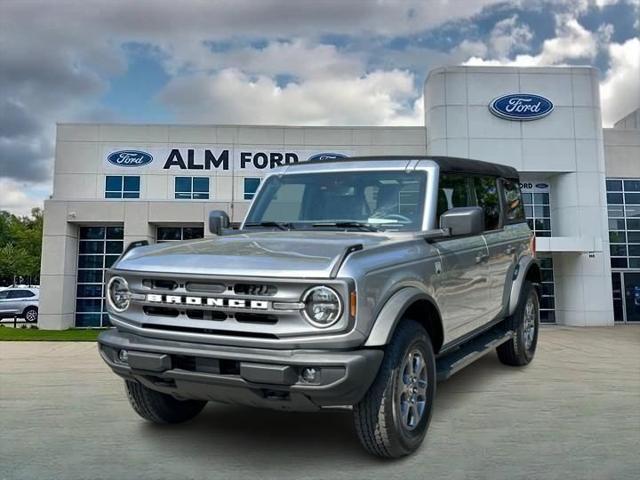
(463, 221)
(218, 221)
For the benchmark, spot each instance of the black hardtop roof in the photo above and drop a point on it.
(446, 164)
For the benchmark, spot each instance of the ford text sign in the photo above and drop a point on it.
(130, 158)
(521, 106)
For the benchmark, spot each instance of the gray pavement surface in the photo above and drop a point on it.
(574, 413)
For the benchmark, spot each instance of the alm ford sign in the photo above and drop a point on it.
(130, 158)
(521, 106)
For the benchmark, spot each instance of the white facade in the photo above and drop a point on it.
(566, 150)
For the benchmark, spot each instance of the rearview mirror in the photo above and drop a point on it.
(218, 221)
(463, 221)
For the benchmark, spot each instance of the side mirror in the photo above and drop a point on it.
(463, 221)
(218, 221)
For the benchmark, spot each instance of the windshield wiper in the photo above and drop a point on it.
(279, 225)
(361, 225)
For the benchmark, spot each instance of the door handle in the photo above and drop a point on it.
(510, 250)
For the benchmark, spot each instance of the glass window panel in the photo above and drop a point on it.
(547, 316)
(115, 246)
(614, 185)
(90, 276)
(131, 184)
(634, 263)
(90, 261)
(614, 198)
(113, 183)
(633, 224)
(616, 224)
(190, 233)
(632, 211)
(183, 184)
(546, 262)
(250, 187)
(527, 198)
(618, 263)
(105, 320)
(183, 196)
(542, 211)
(615, 211)
(92, 246)
(547, 275)
(113, 195)
(548, 289)
(632, 185)
(541, 198)
(89, 291)
(131, 195)
(200, 196)
(632, 198)
(634, 250)
(618, 313)
(618, 250)
(633, 237)
(115, 233)
(530, 223)
(168, 233)
(542, 233)
(91, 233)
(542, 224)
(110, 260)
(88, 305)
(201, 184)
(88, 320)
(528, 211)
(513, 200)
(547, 302)
(617, 237)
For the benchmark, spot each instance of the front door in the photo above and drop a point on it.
(632, 296)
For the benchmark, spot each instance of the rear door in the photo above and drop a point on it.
(8, 301)
(462, 286)
(505, 232)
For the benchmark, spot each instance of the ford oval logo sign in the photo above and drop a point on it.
(327, 156)
(130, 158)
(521, 106)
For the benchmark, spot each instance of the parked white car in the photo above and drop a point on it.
(20, 301)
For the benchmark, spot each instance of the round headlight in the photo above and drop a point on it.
(322, 306)
(118, 294)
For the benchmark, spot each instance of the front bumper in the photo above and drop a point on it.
(249, 376)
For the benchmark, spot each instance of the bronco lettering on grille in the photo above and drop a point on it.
(208, 301)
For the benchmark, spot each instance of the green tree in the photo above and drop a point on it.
(20, 245)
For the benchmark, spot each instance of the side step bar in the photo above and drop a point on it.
(471, 351)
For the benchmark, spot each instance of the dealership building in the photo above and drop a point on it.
(115, 184)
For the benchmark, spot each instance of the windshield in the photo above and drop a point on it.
(370, 200)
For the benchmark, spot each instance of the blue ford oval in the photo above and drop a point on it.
(130, 158)
(327, 156)
(521, 106)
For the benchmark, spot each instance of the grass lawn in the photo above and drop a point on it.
(33, 335)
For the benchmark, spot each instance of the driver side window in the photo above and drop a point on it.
(454, 191)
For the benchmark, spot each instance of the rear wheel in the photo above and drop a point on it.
(524, 323)
(160, 408)
(30, 314)
(393, 417)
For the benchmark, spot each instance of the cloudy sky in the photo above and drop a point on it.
(332, 62)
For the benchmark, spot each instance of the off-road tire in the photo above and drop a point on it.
(28, 314)
(515, 352)
(160, 408)
(376, 416)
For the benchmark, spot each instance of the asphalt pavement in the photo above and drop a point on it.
(574, 413)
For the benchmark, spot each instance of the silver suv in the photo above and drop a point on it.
(357, 282)
(21, 302)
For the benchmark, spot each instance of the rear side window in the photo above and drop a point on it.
(20, 294)
(513, 207)
(487, 194)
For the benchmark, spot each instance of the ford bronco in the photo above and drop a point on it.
(357, 282)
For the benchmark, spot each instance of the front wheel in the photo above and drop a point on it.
(525, 323)
(393, 417)
(161, 408)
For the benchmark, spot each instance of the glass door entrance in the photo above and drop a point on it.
(632, 296)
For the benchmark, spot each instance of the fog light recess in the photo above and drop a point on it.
(310, 375)
(123, 356)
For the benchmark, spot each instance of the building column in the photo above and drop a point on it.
(136, 223)
(58, 269)
(582, 277)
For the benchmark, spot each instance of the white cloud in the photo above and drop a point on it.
(20, 197)
(508, 36)
(375, 98)
(620, 90)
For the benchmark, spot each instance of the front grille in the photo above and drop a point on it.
(208, 331)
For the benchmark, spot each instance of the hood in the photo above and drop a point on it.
(303, 254)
